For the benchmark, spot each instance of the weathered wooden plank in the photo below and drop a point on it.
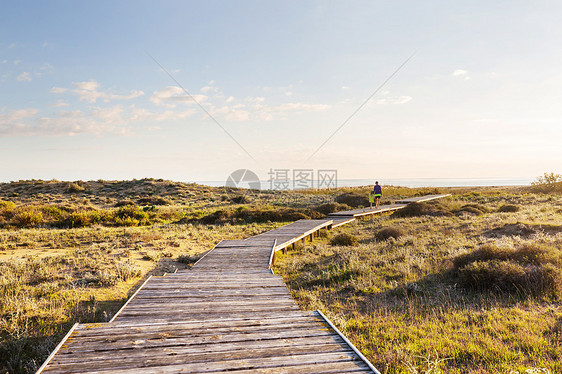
(200, 356)
(113, 343)
(121, 329)
(220, 346)
(315, 368)
(229, 365)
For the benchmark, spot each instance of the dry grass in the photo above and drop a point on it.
(73, 252)
(405, 301)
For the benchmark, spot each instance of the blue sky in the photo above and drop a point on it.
(81, 98)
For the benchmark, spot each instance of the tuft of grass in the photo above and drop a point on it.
(188, 259)
(530, 269)
(508, 208)
(75, 187)
(476, 209)
(344, 239)
(389, 232)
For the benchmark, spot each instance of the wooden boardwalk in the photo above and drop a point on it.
(228, 313)
(399, 204)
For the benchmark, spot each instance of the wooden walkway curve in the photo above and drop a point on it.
(228, 313)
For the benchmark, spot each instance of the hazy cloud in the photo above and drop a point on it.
(301, 107)
(238, 115)
(141, 114)
(24, 77)
(171, 95)
(60, 103)
(89, 92)
(459, 73)
(99, 120)
(394, 100)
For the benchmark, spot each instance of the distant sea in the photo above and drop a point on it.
(421, 182)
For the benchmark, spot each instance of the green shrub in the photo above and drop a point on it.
(7, 205)
(344, 239)
(78, 219)
(132, 212)
(486, 252)
(219, 216)
(353, 199)
(476, 209)
(126, 270)
(331, 208)
(389, 232)
(423, 208)
(154, 201)
(240, 199)
(75, 187)
(547, 183)
(27, 218)
(187, 259)
(530, 269)
(122, 203)
(53, 212)
(508, 208)
(255, 215)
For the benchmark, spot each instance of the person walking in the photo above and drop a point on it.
(377, 194)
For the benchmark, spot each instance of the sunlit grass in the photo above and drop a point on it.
(401, 301)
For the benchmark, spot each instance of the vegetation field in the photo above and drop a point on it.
(470, 284)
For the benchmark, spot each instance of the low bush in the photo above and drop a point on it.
(75, 187)
(7, 205)
(547, 183)
(476, 209)
(421, 209)
(389, 232)
(154, 201)
(122, 203)
(257, 215)
(126, 270)
(529, 269)
(344, 239)
(240, 199)
(353, 199)
(508, 208)
(187, 259)
(219, 216)
(27, 218)
(331, 208)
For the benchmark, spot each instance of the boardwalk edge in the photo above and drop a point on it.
(57, 348)
(129, 300)
(357, 352)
